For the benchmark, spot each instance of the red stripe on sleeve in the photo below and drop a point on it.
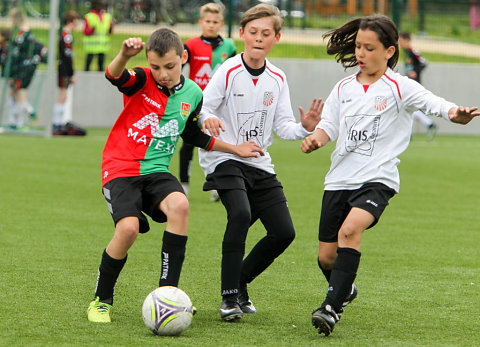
(228, 74)
(396, 84)
(275, 73)
(210, 145)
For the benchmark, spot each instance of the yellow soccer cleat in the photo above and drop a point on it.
(99, 312)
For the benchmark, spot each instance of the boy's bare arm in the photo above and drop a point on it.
(130, 48)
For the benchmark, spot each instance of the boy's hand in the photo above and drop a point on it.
(313, 142)
(249, 149)
(462, 115)
(213, 125)
(313, 116)
(310, 144)
(132, 46)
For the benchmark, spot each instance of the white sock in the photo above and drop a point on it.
(58, 114)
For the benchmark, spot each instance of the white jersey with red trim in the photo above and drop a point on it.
(372, 126)
(250, 108)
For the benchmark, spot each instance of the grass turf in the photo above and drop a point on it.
(418, 278)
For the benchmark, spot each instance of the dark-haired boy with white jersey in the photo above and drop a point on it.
(248, 99)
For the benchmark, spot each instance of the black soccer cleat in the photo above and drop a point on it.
(324, 319)
(353, 294)
(230, 311)
(244, 301)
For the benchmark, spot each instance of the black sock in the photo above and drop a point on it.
(343, 274)
(108, 273)
(326, 273)
(232, 256)
(173, 254)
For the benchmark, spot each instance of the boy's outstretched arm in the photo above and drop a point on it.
(462, 115)
(130, 47)
(313, 142)
(313, 116)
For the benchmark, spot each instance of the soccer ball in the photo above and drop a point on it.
(167, 311)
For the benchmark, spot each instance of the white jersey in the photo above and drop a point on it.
(373, 127)
(250, 108)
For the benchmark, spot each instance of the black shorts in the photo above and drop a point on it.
(130, 196)
(63, 81)
(336, 204)
(263, 188)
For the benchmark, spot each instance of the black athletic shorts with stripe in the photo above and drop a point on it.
(134, 196)
(336, 204)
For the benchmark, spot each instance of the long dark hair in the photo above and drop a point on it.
(342, 40)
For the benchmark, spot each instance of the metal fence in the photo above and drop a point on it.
(428, 16)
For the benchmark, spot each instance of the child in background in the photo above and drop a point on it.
(26, 53)
(248, 99)
(66, 76)
(369, 114)
(205, 54)
(414, 65)
(160, 105)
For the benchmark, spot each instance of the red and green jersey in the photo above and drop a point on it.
(205, 55)
(144, 137)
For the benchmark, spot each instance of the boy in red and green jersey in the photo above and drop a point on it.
(205, 54)
(159, 106)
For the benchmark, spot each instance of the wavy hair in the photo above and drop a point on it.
(341, 41)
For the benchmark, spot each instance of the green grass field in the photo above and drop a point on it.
(419, 277)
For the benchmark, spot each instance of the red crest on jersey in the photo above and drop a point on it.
(380, 103)
(224, 56)
(185, 109)
(268, 98)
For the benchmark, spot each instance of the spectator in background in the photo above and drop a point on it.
(474, 15)
(65, 76)
(97, 31)
(20, 58)
(414, 65)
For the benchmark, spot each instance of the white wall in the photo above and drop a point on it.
(97, 103)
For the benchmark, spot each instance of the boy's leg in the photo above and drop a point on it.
(327, 253)
(280, 234)
(113, 260)
(175, 207)
(233, 248)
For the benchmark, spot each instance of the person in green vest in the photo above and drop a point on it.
(96, 34)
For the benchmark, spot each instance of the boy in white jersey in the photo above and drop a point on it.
(369, 114)
(248, 98)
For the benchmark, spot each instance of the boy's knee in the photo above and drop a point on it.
(240, 216)
(326, 259)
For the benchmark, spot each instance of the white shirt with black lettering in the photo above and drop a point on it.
(251, 108)
(372, 126)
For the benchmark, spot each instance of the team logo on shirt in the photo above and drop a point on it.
(362, 133)
(162, 136)
(380, 103)
(224, 56)
(185, 110)
(268, 98)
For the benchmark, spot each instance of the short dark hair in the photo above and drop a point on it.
(161, 41)
(69, 17)
(342, 40)
(405, 35)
